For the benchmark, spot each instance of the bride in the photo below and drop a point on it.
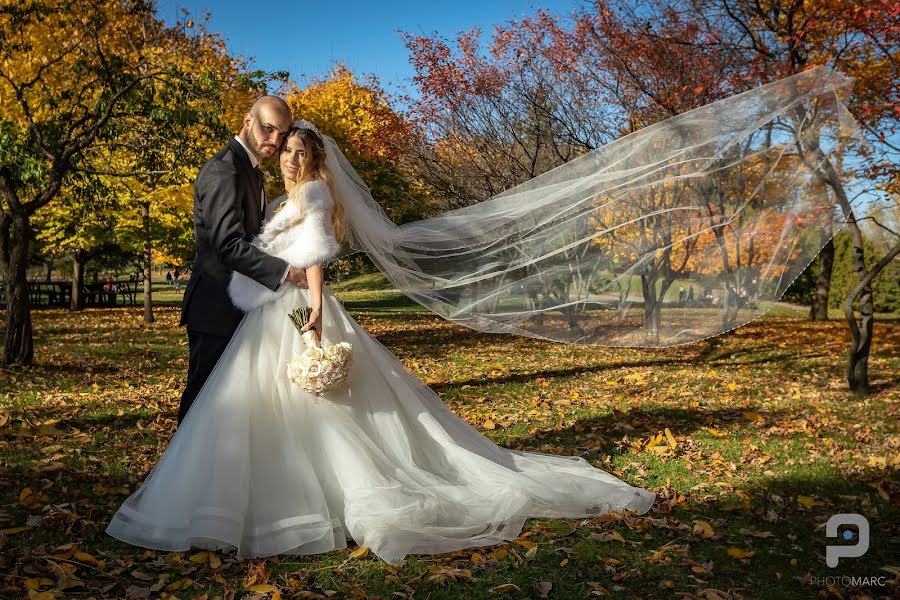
(260, 466)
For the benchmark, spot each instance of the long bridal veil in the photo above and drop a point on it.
(677, 232)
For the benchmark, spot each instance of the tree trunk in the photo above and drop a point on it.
(819, 309)
(861, 342)
(148, 282)
(19, 344)
(78, 263)
(651, 314)
(860, 333)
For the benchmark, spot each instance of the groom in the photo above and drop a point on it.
(228, 212)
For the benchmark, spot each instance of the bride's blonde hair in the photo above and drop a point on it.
(313, 167)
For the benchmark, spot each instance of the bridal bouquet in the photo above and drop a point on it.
(319, 368)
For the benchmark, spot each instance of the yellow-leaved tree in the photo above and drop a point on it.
(370, 132)
(98, 90)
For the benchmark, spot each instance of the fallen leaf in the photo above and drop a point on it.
(607, 536)
(64, 578)
(739, 553)
(807, 502)
(135, 591)
(703, 529)
(542, 588)
(14, 530)
(671, 438)
(265, 589)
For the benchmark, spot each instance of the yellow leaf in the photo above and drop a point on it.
(180, 584)
(658, 555)
(807, 502)
(671, 438)
(14, 530)
(489, 424)
(715, 432)
(359, 552)
(214, 561)
(526, 544)
(703, 529)
(499, 554)
(505, 587)
(267, 589)
(32, 584)
(738, 553)
(753, 416)
(84, 557)
(200, 557)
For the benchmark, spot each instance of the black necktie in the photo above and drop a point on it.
(259, 186)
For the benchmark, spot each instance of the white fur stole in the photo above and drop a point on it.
(302, 243)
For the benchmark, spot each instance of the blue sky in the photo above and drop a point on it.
(305, 37)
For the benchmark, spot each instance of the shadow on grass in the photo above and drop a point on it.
(572, 371)
(637, 423)
(382, 303)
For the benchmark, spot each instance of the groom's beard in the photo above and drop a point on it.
(257, 147)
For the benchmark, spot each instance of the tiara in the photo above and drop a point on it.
(304, 124)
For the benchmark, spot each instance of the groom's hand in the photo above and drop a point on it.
(297, 277)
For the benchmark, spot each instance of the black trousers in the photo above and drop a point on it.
(204, 352)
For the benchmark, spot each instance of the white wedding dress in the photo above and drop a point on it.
(262, 467)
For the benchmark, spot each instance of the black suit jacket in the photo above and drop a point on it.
(227, 216)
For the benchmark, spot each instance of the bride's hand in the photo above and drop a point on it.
(314, 322)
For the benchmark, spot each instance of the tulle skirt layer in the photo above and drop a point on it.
(264, 468)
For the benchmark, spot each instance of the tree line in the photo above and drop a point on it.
(107, 113)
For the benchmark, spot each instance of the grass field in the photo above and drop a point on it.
(749, 440)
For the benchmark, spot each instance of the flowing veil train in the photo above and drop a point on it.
(677, 232)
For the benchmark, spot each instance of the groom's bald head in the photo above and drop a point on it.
(272, 105)
(266, 125)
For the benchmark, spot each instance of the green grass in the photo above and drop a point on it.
(768, 446)
(363, 283)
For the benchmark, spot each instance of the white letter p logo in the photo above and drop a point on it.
(834, 553)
